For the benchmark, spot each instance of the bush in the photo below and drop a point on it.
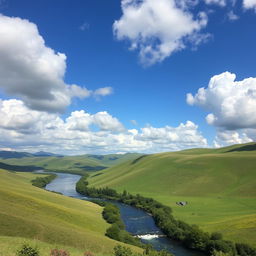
(27, 250)
(122, 251)
(113, 232)
(219, 253)
(245, 250)
(56, 252)
(216, 236)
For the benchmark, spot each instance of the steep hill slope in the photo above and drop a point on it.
(33, 213)
(218, 184)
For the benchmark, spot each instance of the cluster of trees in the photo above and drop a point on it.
(189, 235)
(41, 182)
(117, 230)
(82, 188)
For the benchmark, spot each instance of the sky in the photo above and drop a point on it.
(117, 76)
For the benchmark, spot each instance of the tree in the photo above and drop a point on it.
(122, 251)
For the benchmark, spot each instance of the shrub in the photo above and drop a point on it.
(27, 250)
(122, 251)
(56, 252)
(245, 250)
(216, 236)
(113, 232)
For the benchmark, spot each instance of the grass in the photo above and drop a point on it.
(219, 185)
(10, 245)
(71, 164)
(33, 213)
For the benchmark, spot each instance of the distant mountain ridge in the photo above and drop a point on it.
(16, 154)
(43, 154)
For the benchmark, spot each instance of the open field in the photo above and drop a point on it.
(219, 186)
(32, 213)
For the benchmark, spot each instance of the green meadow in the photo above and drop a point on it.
(49, 220)
(218, 184)
(71, 164)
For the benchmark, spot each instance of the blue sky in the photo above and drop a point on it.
(177, 49)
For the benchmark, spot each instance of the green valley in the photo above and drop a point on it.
(218, 184)
(49, 220)
(70, 164)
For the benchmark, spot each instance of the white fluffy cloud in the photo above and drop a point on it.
(225, 138)
(232, 104)
(25, 129)
(186, 135)
(232, 107)
(158, 28)
(106, 122)
(249, 4)
(32, 71)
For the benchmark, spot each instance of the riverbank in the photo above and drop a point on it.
(41, 182)
(29, 213)
(218, 184)
(137, 221)
(189, 235)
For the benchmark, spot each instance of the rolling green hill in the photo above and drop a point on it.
(75, 164)
(50, 220)
(218, 184)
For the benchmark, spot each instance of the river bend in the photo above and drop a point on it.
(136, 221)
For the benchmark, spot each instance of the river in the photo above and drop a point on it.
(136, 221)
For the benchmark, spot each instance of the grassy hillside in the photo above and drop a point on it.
(75, 164)
(10, 245)
(56, 220)
(218, 184)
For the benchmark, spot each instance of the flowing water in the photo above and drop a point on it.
(136, 221)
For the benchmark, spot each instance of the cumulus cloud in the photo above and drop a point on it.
(225, 138)
(232, 104)
(249, 4)
(158, 28)
(81, 132)
(186, 135)
(32, 71)
(106, 122)
(79, 120)
(16, 117)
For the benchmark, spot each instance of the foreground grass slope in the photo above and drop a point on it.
(75, 164)
(10, 245)
(218, 184)
(33, 213)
